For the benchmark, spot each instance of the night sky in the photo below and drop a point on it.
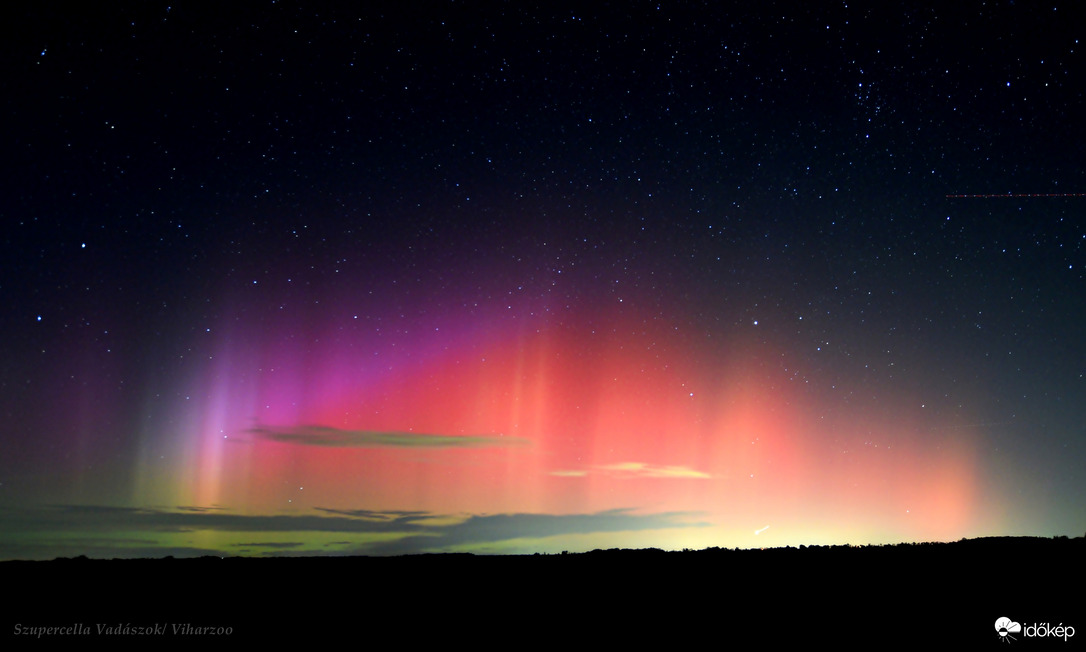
(496, 277)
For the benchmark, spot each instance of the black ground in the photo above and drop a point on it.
(919, 594)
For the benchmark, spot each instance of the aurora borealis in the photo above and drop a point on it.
(496, 278)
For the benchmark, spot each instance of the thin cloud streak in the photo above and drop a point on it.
(636, 470)
(311, 435)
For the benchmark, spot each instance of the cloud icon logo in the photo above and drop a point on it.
(1005, 627)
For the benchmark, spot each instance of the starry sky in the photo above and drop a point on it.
(311, 279)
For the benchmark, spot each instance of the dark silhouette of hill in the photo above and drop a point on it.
(844, 595)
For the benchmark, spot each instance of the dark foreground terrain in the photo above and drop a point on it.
(919, 595)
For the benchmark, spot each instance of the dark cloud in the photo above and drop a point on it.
(383, 516)
(70, 530)
(503, 527)
(69, 518)
(334, 437)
